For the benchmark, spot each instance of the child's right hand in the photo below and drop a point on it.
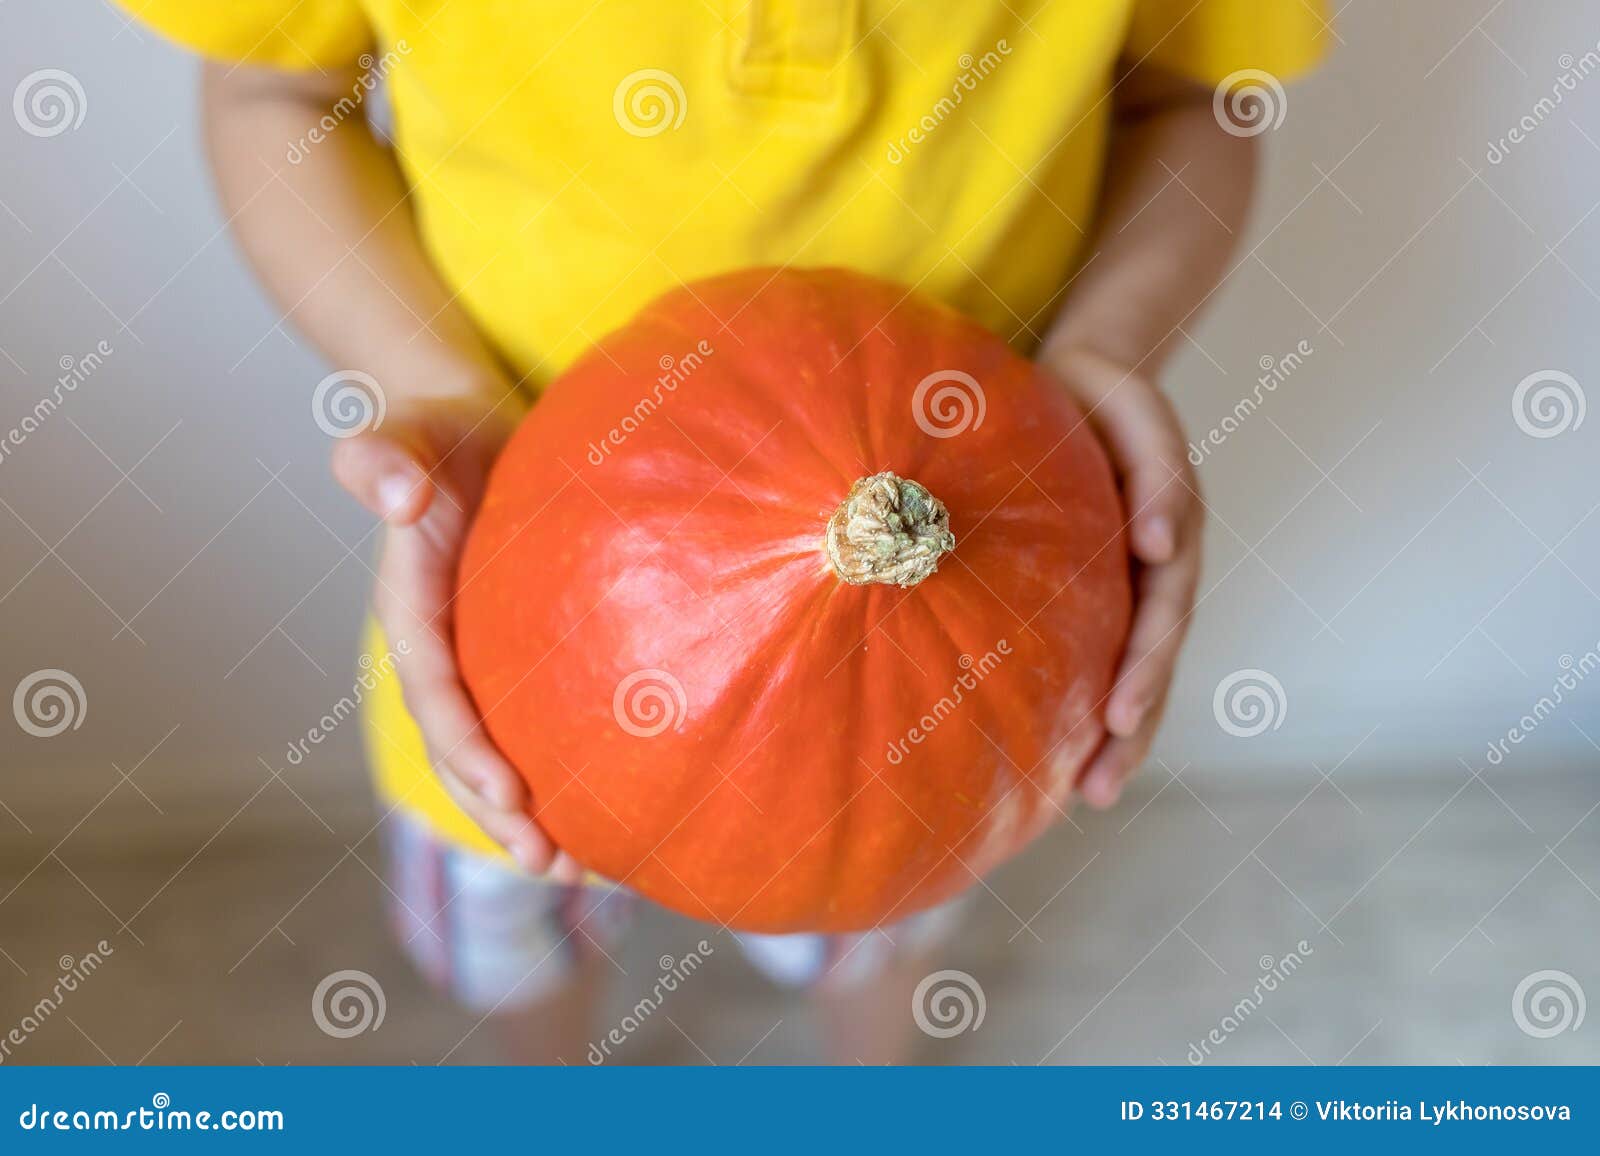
(423, 471)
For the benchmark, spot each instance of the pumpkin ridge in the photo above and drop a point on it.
(768, 685)
(929, 864)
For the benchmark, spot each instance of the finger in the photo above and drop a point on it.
(414, 607)
(1117, 760)
(413, 604)
(1137, 423)
(1161, 619)
(565, 869)
(385, 475)
(456, 742)
(1102, 784)
(513, 830)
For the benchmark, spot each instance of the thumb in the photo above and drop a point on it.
(386, 474)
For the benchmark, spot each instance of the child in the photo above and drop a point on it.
(1057, 170)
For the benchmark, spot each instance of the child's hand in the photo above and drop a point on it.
(423, 471)
(1139, 428)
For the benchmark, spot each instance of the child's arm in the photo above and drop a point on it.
(1178, 188)
(334, 240)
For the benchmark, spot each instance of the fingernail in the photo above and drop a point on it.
(1123, 719)
(394, 492)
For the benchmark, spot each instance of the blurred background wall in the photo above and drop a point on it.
(1388, 541)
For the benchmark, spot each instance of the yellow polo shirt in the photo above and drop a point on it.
(572, 159)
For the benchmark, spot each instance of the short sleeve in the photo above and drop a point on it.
(298, 35)
(1209, 40)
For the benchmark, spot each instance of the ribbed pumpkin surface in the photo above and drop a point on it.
(659, 638)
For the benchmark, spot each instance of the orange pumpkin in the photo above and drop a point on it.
(796, 601)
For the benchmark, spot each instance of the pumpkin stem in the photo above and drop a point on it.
(888, 529)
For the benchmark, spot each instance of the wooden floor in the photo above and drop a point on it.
(1423, 900)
